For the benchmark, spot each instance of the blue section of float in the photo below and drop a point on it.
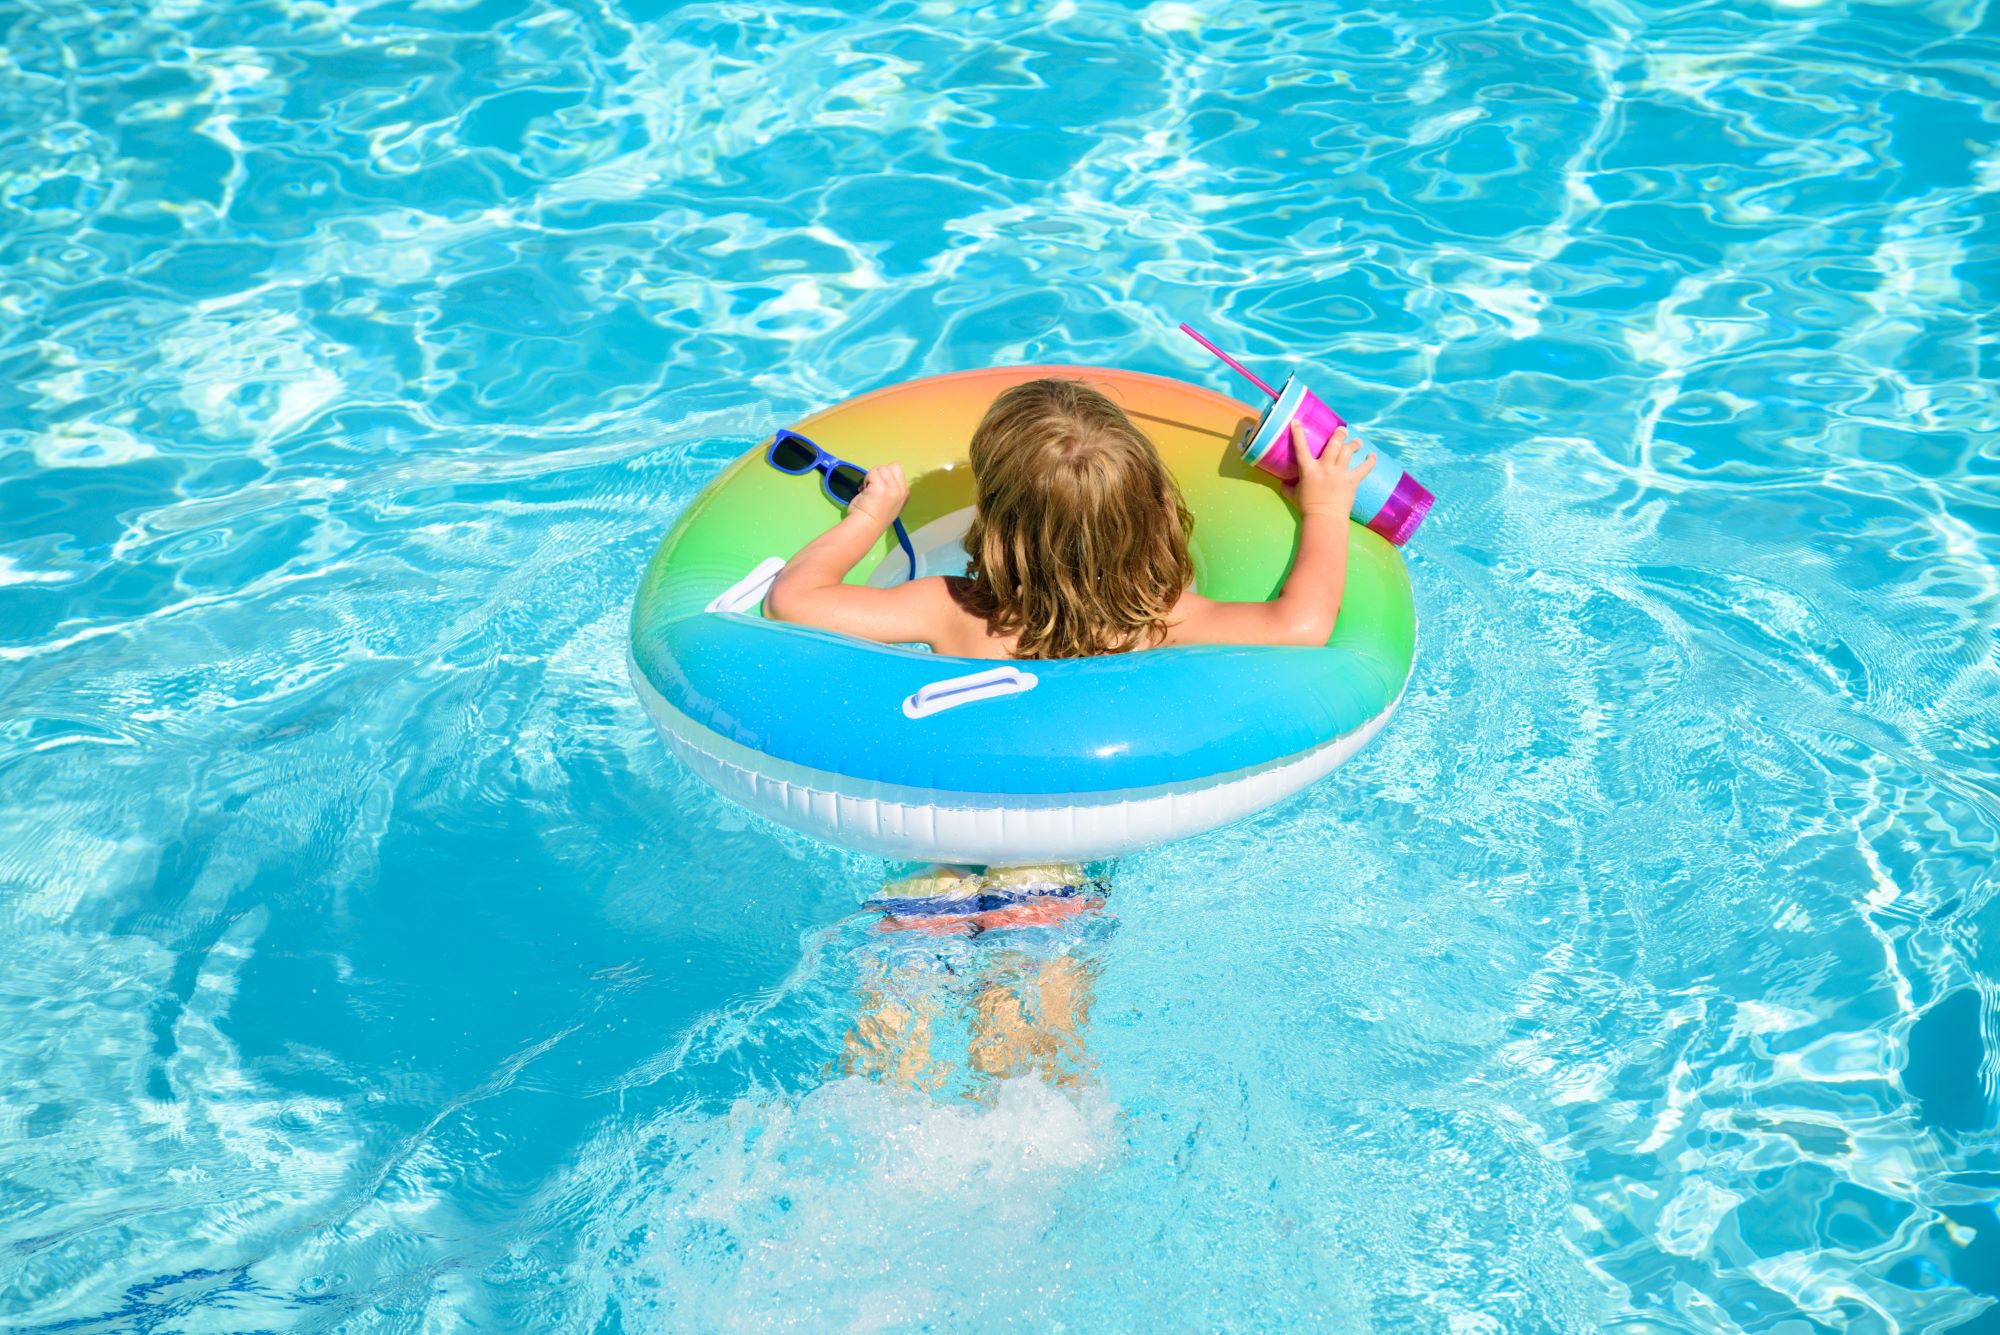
(1090, 725)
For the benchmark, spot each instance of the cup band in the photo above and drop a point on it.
(1403, 511)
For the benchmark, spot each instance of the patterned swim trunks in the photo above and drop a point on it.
(966, 902)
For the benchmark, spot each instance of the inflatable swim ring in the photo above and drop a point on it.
(910, 754)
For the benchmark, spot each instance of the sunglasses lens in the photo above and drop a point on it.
(792, 455)
(845, 483)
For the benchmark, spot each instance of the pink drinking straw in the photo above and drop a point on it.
(1240, 368)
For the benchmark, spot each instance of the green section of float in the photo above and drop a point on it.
(748, 514)
(1245, 535)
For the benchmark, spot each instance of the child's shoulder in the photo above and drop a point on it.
(932, 597)
(934, 590)
(960, 631)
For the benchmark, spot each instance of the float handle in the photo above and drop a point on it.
(951, 692)
(746, 593)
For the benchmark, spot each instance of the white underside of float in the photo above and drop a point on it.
(934, 826)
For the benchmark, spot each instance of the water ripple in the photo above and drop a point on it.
(370, 964)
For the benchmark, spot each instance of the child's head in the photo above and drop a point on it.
(1079, 542)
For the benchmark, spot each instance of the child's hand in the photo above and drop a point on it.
(1327, 484)
(882, 495)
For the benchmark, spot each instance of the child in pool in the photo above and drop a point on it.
(1078, 546)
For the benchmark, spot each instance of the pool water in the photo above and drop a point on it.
(367, 963)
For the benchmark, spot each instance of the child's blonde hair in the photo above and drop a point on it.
(1079, 543)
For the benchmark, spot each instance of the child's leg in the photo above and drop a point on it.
(1065, 988)
(1004, 1043)
(891, 1037)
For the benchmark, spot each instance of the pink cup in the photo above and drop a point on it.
(1388, 500)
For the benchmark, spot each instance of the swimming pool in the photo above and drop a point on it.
(369, 963)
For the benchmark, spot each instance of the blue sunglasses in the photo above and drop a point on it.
(842, 481)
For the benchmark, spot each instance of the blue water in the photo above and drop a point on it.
(366, 963)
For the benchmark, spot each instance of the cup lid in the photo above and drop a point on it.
(1276, 418)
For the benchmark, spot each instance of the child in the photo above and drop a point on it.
(1078, 546)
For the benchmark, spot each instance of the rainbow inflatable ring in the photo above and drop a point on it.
(908, 754)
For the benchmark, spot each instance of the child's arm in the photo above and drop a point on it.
(1304, 611)
(809, 591)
